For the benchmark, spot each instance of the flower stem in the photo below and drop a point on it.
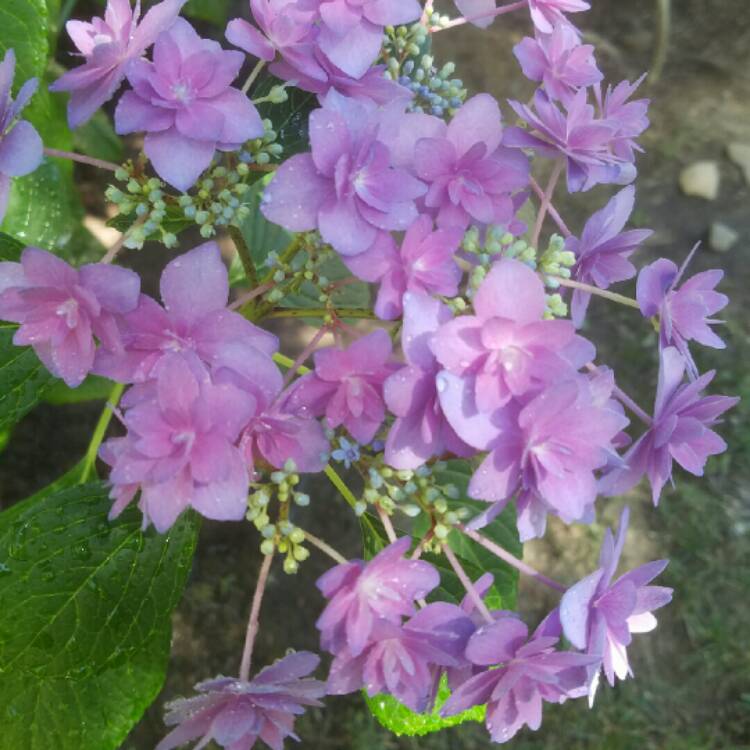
(546, 201)
(321, 312)
(257, 292)
(467, 584)
(325, 548)
(99, 432)
(304, 354)
(480, 16)
(280, 359)
(81, 159)
(253, 75)
(387, 525)
(551, 210)
(625, 399)
(254, 621)
(513, 561)
(612, 296)
(340, 485)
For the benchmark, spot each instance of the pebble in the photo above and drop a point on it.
(701, 180)
(739, 153)
(721, 237)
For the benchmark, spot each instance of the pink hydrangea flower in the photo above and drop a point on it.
(424, 263)
(559, 61)
(685, 311)
(347, 386)
(420, 431)
(180, 448)
(585, 141)
(470, 175)
(629, 118)
(529, 672)
(185, 103)
(109, 45)
(61, 310)
(285, 28)
(237, 714)
(272, 432)
(546, 14)
(194, 322)
(402, 660)
(351, 32)
(507, 348)
(681, 431)
(599, 617)
(362, 594)
(21, 148)
(603, 251)
(346, 187)
(548, 446)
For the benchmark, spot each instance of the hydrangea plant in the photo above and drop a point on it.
(359, 181)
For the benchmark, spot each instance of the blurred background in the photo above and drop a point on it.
(692, 675)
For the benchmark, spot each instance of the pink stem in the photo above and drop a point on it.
(254, 621)
(420, 547)
(553, 212)
(513, 561)
(590, 289)
(113, 251)
(546, 201)
(81, 159)
(467, 584)
(625, 399)
(325, 548)
(386, 521)
(257, 292)
(304, 354)
(480, 16)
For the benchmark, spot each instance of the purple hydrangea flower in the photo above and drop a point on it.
(585, 141)
(351, 32)
(236, 714)
(603, 251)
(362, 594)
(599, 617)
(424, 263)
(420, 431)
(629, 118)
(684, 312)
(559, 61)
(346, 187)
(180, 448)
(681, 431)
(548, 446)
(185, 103)
(506, 348)
(194, 322)
(529, 671)
(109, 45)
(470, 175)
(62, 309)
(347, 386)
(401, 659)
(21, 148)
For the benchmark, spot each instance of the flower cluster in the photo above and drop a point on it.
(468, 356)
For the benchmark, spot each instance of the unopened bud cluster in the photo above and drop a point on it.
(435, 90)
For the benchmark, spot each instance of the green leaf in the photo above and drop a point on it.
(261, 236)
(23, 26)
(23, 379)
(85, 609)
(400, 720)
(212, 11)
(290, 119)
(94, 388)
(10, 248)
(475, 558)
(97, 138)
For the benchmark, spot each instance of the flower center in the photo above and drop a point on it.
(69, 311)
